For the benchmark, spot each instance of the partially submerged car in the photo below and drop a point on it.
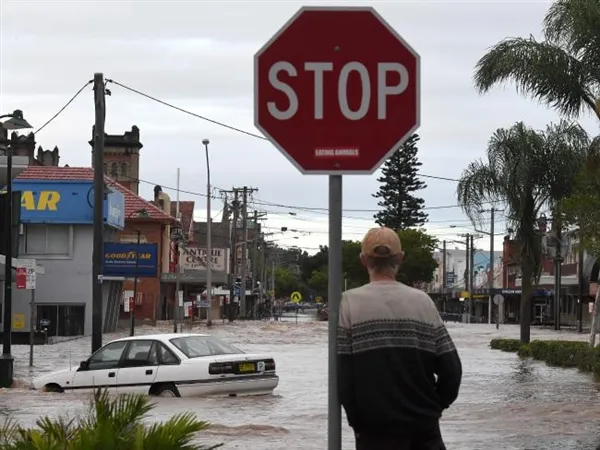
(175, 365)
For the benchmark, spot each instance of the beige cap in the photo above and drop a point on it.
(381, 242)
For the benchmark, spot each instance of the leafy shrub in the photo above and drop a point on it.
(524, 351)
(506, 345)
(113, 423)
(555, 353)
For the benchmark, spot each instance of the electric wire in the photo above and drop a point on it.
(65, 106)
(225, 125)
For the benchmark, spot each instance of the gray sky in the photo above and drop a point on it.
(198, 55)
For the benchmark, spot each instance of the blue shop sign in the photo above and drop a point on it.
(120, 259)
(114, 209)
(66, 202)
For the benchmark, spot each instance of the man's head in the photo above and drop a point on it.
(381, 251)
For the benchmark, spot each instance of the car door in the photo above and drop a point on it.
(138, 367)
(100, 370)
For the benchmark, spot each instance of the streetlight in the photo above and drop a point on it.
(205, 142)
(15, 122)
(139, 214)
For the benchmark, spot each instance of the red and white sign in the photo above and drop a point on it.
(21, 277)
(337, 90)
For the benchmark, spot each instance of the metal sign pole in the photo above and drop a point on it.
(335, 297)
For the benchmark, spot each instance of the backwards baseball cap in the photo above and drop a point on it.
(381, 242)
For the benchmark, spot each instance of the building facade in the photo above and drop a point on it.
(57, 232)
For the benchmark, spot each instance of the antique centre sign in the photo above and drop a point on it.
(194, 258)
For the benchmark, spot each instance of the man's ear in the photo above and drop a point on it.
(400, 257)
(363, 259)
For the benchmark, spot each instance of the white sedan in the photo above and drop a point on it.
(174, 365)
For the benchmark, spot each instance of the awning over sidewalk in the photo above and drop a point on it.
(194, 277)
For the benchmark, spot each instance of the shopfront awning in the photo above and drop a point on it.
(19, 164)
(194, 277)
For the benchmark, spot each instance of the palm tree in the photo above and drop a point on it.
(528, 171)
(113, 423)
(562, 69)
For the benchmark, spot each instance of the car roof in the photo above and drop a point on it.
(164, 337)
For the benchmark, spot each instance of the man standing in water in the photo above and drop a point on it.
(398, 367)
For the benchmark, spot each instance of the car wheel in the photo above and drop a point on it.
(53, 388)
(165, 390)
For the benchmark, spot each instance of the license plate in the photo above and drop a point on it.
(247, 367)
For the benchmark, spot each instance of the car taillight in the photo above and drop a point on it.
(270, 364)
(220, 368)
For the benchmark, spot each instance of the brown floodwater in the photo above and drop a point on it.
(505, 403)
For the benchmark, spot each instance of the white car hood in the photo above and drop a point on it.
(61, 377)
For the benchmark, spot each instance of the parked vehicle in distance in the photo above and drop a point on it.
(172, 365)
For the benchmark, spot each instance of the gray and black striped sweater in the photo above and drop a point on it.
(398, 367)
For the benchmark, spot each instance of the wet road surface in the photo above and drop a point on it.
(504, 403)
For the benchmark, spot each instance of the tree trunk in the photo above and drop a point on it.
(595, 317)
(526, 287)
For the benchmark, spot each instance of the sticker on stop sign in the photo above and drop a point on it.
(337, 99)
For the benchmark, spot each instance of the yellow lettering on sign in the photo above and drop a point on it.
(48, 201)
(27, 201)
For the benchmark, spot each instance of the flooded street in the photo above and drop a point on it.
(504, 403)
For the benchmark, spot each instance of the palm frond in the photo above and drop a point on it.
(540, 70)
(573, 25)
(177, 433)
(476, 188)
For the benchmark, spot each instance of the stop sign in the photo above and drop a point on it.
(336, 90)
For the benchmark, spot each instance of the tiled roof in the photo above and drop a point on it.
(133, 202)
(186, 209)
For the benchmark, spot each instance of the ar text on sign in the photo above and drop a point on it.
(39, 201)
(321, 70)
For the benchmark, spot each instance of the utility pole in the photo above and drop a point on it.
(468, 271)
(244, 268)
(581, 280)
(209, 289)
(233, 274)
(176, 309)
(254, 262)
(444, 273)
(98, 252)
(557, 271)
(471, 272)
(491, 272)
(492, 212)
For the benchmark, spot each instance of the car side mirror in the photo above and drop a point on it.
(84, 365)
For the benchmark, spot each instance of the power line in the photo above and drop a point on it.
(65, 106)
(224, 125)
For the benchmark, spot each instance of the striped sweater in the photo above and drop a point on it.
(398, 367)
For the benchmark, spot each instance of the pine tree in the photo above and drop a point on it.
(401, 208)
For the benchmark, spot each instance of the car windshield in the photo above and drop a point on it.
(199, 346)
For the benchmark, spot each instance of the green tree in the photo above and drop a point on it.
(561, 70)
(419, 264)
(318, 282)
(286, 282)
(582, 208)
(310, 263)
(352, 269)
(527, 170)
(114, 423)
(399, 183)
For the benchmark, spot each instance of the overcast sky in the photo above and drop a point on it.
(198, 55)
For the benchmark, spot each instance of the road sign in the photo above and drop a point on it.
(498, 299)
(337, 99)
(296, 297)
(18, 321)
(21, 277)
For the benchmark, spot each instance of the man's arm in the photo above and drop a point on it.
(448, 367)
(345, 364)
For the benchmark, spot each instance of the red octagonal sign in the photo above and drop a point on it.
(336, 90)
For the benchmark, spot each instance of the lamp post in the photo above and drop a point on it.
(205, 142)
(15, 122)
(140, 213)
